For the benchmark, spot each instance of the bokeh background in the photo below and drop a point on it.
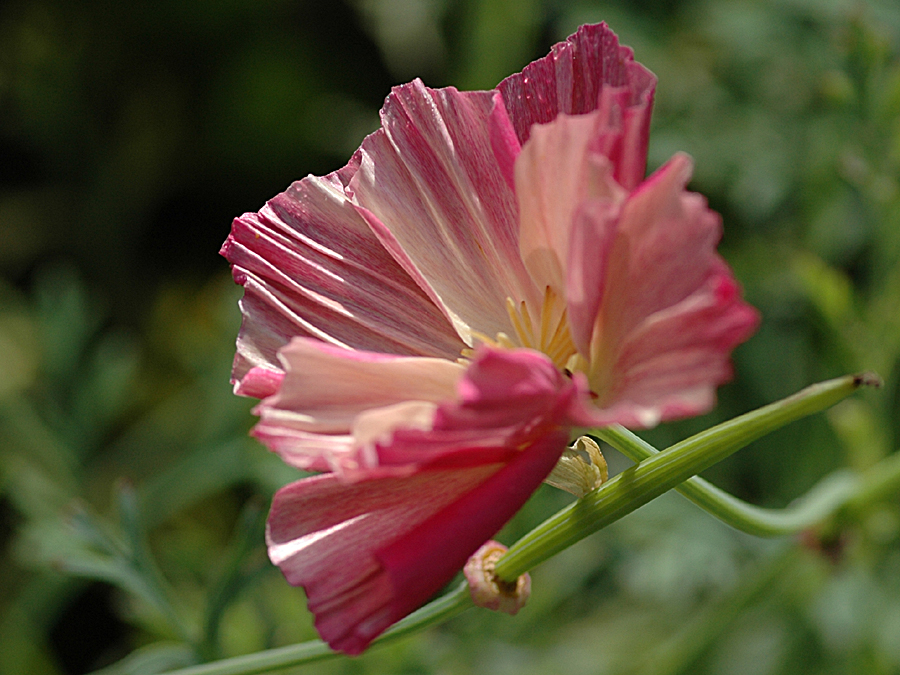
(131, 498)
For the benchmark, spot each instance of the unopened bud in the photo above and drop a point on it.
(490, 591)
(581, 468)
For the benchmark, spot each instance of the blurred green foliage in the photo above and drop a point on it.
(132, 498)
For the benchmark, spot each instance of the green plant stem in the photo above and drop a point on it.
(659, 472)
(638, 485)
(822, 501)
(878, 483)
(445, 607)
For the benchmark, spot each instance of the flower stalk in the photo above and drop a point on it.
(812, 508)
(437, 611)
(842, 492)
(655, 475)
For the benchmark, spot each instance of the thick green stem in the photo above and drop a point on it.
(657, 473)
(440, 610)
(815, 506)
(638, 485)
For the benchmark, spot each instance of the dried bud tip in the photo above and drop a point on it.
(581, 468)
(868, 379)
(490, 591)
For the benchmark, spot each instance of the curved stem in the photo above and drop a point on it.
(445, 607)
(659, 472)
(876, 484)
(655, 475)
(822, 501)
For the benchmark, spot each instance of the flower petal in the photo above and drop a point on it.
(670, 312)
(259, 382)
(558, 169)
(672, 364)
(504, 141)
(431, 189)
(506, 399)
(325, 389)
(594, 229)
(571, 79)
(370, 552)
(311, 266)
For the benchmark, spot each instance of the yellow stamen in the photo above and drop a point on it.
(523, 329)
(555, 340)
(547, 314)
(505, 342)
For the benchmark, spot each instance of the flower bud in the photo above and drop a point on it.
(490, 591)
(581, 468)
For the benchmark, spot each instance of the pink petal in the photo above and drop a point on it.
(259, 382)
(370, 552)
(594, 229)
(558, 169)
(664, 251)
(433, 192)
(571, 79)
(674, 361)
(427, 558)
(323, 533)
(505, 400)
(307, 450)
(325, 389)
(310, 266)
(504, 142)
(503, 387)
(670, 313)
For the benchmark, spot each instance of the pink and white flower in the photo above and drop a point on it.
(427, 324)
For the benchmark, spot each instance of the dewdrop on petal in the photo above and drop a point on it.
(487, 589)
(581, 468)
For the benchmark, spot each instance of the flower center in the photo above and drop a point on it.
(549, 335)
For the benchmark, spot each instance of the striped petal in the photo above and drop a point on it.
(333, 402)
(431, 189)
(370, 552)
(572, 79)
(558, 169)
(669, 309)
(310, 266)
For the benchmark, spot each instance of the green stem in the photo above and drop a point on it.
(445, 607)
(640, 484)
(822, 501)
(659, 472)
(876, 484)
